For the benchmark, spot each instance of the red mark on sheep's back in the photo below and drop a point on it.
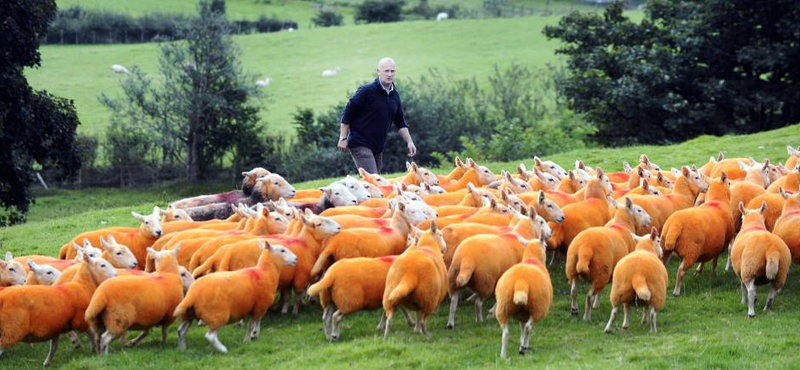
(381, 222)
(532, 261)
(252, 273)
(793, 213)
(558, 194)
(135, 272)
(754, 228)
(385, 230)
(511, 236)
(388, 259)
(377, 212)
(504, 229)
(713, 204)
(618, 227)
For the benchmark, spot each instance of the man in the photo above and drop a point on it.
(368, 116)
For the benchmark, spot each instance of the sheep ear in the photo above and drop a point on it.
(537, 162)
(87, 243)
(763, 207)
(579, 165)
(724, 177)
(9, 256)
(741, 208)
(532, 213)
(743, 166)
(782, 192)
(176, 250)
(541, 197)
(627, 167)
(643, 159)
(686, 171)
(524, 210)
(103, 243)
(434, 228)
(653, 233)
(720, 156)
(628, 203)
(152, 253)
(159, 211)
(599, 172)
(31, 264)
(137, 216)
(694, 168)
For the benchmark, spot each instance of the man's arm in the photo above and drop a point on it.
(412, 150)
(344, 129)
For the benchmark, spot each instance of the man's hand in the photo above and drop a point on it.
(412, 150)
(342, 145)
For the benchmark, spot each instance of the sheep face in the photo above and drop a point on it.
(45, 274)
(250, 178)
(186, 278)
(174, 214)
(415, 212)
(355, 188)
(485, 176)
(100, 269)
(281, 252)
(11, 272)
(118, 255)
(273, 186)
(512, 201)
(435, 189)
(151, 222)
(696, 181)
(541, 226)
(373, 190)
(664, 181)
(549, 180)
(339, 195)
(639, 217)
(322, 226)
(422, 175)
(549, 209)
(551, 167)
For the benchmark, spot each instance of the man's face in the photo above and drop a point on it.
(386, 72)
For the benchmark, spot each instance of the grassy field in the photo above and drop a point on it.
(295, 61)
(705, 328)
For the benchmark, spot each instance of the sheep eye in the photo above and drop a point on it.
(147, 222)
(49, 273)
(12, 269)
(549, 206)
(103, 265)
(119, 253)
(552, 167)
(335, 193)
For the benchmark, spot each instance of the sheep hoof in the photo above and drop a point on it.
(450, 326)
(574, 312)
(750, 316)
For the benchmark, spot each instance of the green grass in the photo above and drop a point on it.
(705, 328)
(295, 61)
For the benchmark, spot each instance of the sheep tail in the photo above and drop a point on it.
(322, 261)
(62, 254)
(184, 307)
(639, 284)
(325, 283)
(465, 274)
(670, 235)
(521, 288)
(203, 269)
(773, 264)
(407, 283)
(585, 255)
(95, 309)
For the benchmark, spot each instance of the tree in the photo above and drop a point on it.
(380, 11)
(688, 68)
(204, 109)
(36, 128)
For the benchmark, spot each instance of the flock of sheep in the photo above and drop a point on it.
(408, 243)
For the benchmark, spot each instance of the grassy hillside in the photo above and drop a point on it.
(296, 60)
(705, 328)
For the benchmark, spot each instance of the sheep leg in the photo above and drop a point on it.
(381, 323)
(611, 319)
(256, 330)
(596, 303)
(699, 268)
(653, 315)
(471, 298)
(645, 314)
(94, 339)
(136, 340)
(283, 302)
(714, 266)
(297, 300)
(389, 317)
(490, 314)
(744, 293)
(164, 332)
(751, 295)
(451, 320)
(182, 333)
(76, 342)
(667, 257)
(478, 310)
(527, 330)
(326, 320)
(588, 313)
(504, 341)
(729, 263)
(521, 338)
(573, 296)
(418, 325)
(250, 327)
(410, 321)
(53, 348)
(770, 298)
(424, 324)
(105, 341)
(625, 311)
(337, 319)
(678, 277)
(211, 335)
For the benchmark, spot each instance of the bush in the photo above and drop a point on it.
(130, 152)
(380, 11)
(327, 18)
(428, 12)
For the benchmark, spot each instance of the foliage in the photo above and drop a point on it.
(426, 11)
(380, 11)
(688, 68)
(203, 111)
(37, 130)
(77, 25)
(328, 18)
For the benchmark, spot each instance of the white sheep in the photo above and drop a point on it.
(263, 83)
(441, 16)
(331, 72)
(116, 68)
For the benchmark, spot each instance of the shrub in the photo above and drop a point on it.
(327, 18)
(380, 11)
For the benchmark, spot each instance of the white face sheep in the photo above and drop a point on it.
(11, 272)
(151, 222)
(45, 274)
(339, 195)
(355, 187)
(119, 255)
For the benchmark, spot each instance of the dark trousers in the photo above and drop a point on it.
(367, 159)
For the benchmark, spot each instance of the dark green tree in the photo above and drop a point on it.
(36, 128)
(380, 11)
(688, 68)
(204, 109)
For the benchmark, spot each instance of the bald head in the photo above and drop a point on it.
(386, 71)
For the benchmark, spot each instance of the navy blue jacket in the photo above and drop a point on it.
(370, 113)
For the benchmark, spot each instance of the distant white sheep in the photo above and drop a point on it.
(331, 72)
(116, 68)
(290, 29)
(263, 83)
(441, 16)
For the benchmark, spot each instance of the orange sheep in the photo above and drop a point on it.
(38, 313)
(794, 156)
(417, 280)
(759, 257)
(640, 278)
(41, 274)
(11, 272)
(524, 292)
(775, 204)
(789, 183)
(787, 227)
(593, 254)
(754, 184)
(700, 234)
(137, 302)
(227, 297)
(591, 212)
(365, 242)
